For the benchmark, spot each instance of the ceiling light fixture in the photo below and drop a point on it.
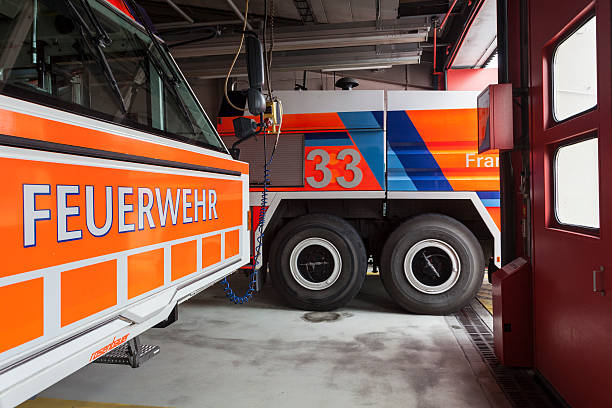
(356, 68)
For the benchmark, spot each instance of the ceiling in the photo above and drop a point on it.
(328, 35)
(480, 41)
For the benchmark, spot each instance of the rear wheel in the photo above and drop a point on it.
(432, 264)
(318, 262)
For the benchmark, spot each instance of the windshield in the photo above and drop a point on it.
(86, 57)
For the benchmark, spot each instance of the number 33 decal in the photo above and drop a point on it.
(327, 174)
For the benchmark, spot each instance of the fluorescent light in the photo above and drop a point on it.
(356, 68)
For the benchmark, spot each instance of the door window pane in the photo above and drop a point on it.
(575, 73)
(577, 184)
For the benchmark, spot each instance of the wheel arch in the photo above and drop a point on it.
(466, 208)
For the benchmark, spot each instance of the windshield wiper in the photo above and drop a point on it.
(136, 10)
(173, 80)
(96, 43)
(170, 83)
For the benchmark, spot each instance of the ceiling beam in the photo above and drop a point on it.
(238, 13)
(422, 7)
(318, 9)
(305, 12)
(158, 12)
(389, 9)
(180, 11)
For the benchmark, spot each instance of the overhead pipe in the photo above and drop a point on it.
(185, 24)
(181, 12)
(435, 49)
(435, 36)
(337, 36)
(237, 11)
(447, 14)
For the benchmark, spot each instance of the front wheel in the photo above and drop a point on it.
(432, 264)
(318, 262)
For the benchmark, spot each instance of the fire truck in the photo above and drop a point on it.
(119, 199)
(386, 180)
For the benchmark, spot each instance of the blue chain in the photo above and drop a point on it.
(229, 292)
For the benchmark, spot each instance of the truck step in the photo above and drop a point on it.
(131, 353)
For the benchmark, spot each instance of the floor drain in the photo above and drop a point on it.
(318, 317)
(519, 385)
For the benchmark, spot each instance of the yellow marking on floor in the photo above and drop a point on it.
(56, 403)
(485, 297)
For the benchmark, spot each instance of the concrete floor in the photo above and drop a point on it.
(267, 355)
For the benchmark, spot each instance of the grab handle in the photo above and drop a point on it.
(598, 281)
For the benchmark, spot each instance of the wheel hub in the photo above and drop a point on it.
(432, 266)
(315, 263)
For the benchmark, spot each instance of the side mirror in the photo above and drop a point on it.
(255, 69)
(244, 128)
(256, 101)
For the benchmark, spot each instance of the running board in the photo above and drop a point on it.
(131, 353)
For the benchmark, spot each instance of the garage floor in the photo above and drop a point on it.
(264, 354)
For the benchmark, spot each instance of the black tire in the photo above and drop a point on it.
(428, 244)
(315, 265)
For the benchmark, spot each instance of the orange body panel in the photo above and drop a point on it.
(496, 215)
(145, 272)
(232, 243)
(450, 140)
(77, 284)
(211, 250)
(32, 127)
(184, 259)
(310, 122)
(47, 251)
(21, 313)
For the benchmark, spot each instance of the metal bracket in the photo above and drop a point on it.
(172, 317)
(518, 91)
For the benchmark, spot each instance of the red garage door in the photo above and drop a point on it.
(572, 196)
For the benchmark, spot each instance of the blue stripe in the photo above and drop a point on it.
(413, 156)
(369, 142)
(327, 139)
(397, 179)
(491, 202)
(489, 194)
(327, 142)
(359, 120)
(380, 118)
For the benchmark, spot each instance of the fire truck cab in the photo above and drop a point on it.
(119, 199)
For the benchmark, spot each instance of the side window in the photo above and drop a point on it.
(574, 68)
(59, 57)
(576, 182)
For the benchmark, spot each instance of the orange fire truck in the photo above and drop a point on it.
(119, 199)
(389, 178)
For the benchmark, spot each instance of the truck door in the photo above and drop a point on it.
(572, 222)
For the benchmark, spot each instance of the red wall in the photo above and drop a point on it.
(470, 79)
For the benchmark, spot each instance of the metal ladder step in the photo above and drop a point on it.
(131, 353)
